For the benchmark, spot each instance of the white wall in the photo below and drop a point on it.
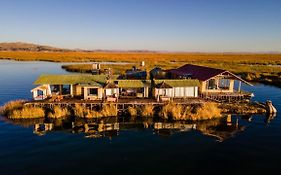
(109, 92)
(178, 92)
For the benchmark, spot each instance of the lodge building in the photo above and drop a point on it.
(188, 81)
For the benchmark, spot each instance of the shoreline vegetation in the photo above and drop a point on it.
(262, 68)
(169, 111)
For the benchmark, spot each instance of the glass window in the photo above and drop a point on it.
(224, 84)
(93, 91)
(211, 84)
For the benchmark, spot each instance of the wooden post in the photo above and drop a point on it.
(60, 86)
(71, 90)
(239, 86)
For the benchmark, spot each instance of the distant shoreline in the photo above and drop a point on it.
(251, 67)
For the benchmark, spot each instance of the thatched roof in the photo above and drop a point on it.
(133, 83)
(71, 79)
(110, 85)
(163, 85)
(179, 82)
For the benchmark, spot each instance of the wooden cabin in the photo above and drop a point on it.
(181, 88)
(88, 87)
(93, 91)
(183, 82)
(41, 92)
(213, 82)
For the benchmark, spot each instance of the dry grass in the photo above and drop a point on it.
(17, 110)
(7, 109)
(151, 57)
(144, 111)
(171, 110)
(251, 67)
(147, 110)
(180, 112)
(132, 111)
(84, 112)
(206, 111)
(27, 113)
(81, 111)
(108, 110)
(59, 112)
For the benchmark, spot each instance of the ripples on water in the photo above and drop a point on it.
(246, 145)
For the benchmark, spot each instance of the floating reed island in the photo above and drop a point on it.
(203, 110)
(190, 92)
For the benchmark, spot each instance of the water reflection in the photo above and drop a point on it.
(219, 129)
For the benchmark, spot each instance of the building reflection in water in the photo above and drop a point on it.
(220, 129)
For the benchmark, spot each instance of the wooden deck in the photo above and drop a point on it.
(120, 101)
(121, 104)
(221, 97)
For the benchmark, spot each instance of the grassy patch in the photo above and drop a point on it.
(107, 110)
(133, 111)
(27, 113)
(17, 110)
(205, 111)
(7, 109)
(59, 112)
(147, 110)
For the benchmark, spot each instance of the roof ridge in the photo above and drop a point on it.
(202, 66)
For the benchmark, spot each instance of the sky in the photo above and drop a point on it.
(163, 25)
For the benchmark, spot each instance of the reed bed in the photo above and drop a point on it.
(17, 110)
(7, 109)
(59, 112)
(107, 110)
(133, 111)
(27, 113)
(208, 110)
(146, 110)
(205, 111)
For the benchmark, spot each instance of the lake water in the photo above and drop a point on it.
(235, 145)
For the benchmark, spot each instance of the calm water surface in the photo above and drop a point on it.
(237, 145)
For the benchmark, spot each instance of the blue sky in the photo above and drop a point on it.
(166, 25)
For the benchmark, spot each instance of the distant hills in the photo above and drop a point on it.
(30, 47)
(21, 46)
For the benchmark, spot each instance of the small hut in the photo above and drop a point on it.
(41, 92)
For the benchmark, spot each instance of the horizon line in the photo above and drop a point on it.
(142, 50)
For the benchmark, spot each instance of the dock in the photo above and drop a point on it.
(121, 104)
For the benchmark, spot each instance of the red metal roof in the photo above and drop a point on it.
(202, 73)
(199, 72)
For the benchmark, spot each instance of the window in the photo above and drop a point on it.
(93, 91)
(224, 84)
(211, 84)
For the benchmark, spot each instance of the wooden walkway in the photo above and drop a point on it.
(121, 104)
(226, 97)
